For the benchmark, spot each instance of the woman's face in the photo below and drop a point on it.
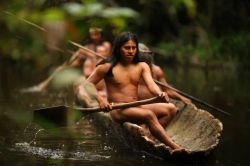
(128, 51)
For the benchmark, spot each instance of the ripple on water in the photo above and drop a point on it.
(77, 142)
(58, 153)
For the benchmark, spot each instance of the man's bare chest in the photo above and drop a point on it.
(125, 76)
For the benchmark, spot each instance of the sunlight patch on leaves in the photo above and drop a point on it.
(79, 10)
(119, 12)
(53, 15)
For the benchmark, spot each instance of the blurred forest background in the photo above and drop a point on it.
(204, 33)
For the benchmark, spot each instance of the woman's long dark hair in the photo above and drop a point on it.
(118, 43)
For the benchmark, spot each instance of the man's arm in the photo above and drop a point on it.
(151, 85)
(96, 76)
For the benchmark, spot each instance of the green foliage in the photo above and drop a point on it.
(185, 53)
(52, 14)
(236, 45)
(113, 12)
(20, 41)
(24, 28)
(186, 29)
(80, 11)
(189, 4)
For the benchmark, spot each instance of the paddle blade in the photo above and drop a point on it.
(57, 116)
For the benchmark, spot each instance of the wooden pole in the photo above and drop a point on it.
(192, 98)
(86, 49)
(156, 99)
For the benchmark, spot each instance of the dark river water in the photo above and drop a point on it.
(23, 142)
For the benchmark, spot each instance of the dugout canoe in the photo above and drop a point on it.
(195, 130)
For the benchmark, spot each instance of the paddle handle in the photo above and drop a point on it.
(156, 99)
(86, 49)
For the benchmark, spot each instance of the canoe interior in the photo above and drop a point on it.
(196, 130)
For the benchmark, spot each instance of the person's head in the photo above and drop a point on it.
(102, 50)
(126, 44)
(125, 39)
(146, 55)
(95, 34)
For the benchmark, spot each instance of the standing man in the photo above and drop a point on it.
(122, 73)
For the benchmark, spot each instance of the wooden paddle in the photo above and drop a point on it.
(86, 49)
(192, 97)
(62, 115)
(156, 99)
(42, 85)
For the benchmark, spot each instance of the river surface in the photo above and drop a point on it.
(24, 142)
